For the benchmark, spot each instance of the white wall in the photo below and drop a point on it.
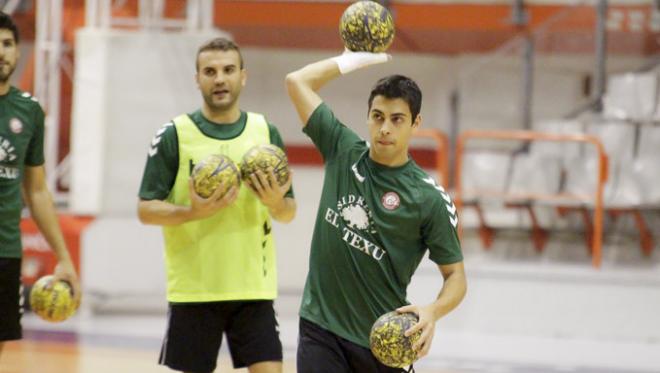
(126, 86)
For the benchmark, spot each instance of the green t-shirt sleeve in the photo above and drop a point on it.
(276, 139)
(439, 228)
(34, 155)
(329, 135)
(162, 164)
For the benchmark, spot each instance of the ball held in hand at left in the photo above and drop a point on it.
(53, 300)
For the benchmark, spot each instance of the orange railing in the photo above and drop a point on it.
(596, 242)
(441, 152)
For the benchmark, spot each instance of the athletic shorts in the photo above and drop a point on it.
(11, 299)
(194, 334)
(321, 351)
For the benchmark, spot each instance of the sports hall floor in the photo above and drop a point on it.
(503, 326)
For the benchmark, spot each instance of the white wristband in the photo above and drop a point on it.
(351, 61)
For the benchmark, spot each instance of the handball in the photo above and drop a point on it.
(213, 172)
(366, 26)
(55, 303)
(262, 157)
(388, 342)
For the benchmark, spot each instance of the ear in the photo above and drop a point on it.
(417, 123)
(243, 77)
(197, 80)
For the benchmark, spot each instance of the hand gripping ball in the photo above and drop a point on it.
(262, 157)
(366, 26)
(388, 342)
(55, 303)
(213, 172)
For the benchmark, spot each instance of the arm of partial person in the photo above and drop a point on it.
(303, 84)
(40, 202)
(159, 212)
(452, 293)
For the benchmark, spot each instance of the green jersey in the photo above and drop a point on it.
(373, 227)
(21, 144)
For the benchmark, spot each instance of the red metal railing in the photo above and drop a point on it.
(441, 153)
(596, 246)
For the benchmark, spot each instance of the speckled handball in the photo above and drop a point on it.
(388, 342)
(54, 304)
(213, 172)
(366, 26)
(262, 157)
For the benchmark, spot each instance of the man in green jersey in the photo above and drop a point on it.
(22, 170)
(379, 213)
(219, 251)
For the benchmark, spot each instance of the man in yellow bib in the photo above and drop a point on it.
(219, 251)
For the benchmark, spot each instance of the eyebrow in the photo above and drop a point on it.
(373, 110)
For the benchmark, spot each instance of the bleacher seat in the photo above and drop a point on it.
(567, 151)
(617, 137)
(484, 171)
(631, 96)
(484, 176)
(535, 174)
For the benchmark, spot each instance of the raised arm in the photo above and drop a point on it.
(303, 84)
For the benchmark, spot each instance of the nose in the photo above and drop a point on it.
(219, 79)
(386, 128)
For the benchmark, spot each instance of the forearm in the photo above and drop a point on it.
(43, 212)
(284, 211)
(302, 86)
(452, 293)
(159, 212)
(314, 76)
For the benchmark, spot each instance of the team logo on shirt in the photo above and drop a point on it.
(7, 154)
(390, 200)
(7, 150)
(15, 125)
(354, 212)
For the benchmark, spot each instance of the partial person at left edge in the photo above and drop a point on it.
(22, 179)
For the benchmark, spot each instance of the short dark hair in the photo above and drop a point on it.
(219, 44)
(399, 86)
(7, 23)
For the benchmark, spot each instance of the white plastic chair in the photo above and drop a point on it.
(631, 96)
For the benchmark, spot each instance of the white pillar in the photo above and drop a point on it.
(48, 50)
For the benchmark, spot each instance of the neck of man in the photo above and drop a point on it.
(222, 116)
(4, 88)
(393, 161)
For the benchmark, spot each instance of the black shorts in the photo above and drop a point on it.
(194, 334)
(11, 299)
(321, 351)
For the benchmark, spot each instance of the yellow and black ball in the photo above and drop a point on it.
(213, 172)
(388, 342)
(264, 157)
(366, 26)
(52, 301)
